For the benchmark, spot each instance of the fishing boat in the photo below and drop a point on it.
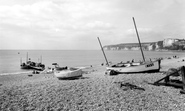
(68, 73)
(133, 67)
(32, 65)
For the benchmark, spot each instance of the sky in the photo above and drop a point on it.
(76, 24)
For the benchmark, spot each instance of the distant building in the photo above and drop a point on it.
(169, 42)
(180, 42)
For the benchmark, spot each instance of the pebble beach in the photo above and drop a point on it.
(93, 92)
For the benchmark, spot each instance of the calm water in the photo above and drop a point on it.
(10, 59)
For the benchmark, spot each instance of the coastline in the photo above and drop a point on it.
(94, 91)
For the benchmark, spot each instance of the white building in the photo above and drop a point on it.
(169, 42)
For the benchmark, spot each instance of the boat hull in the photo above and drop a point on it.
(32, 67)
(143, 68)
(68, 73)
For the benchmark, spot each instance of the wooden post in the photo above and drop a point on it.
(168, 82)
(21, 60)
(41, 59)
(157, 82)
(27, 57)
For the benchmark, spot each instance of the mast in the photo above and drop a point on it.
(27, 57)
(103, 51)
(21, 60)
(138, 39)
(41, 59)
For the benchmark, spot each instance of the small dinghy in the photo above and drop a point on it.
(68, 73)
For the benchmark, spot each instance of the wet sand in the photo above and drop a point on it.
(94, 91)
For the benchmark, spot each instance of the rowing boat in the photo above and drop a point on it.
(68, 73)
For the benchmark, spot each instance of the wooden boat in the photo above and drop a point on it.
(150, 66)
(68, 73)
(57, 67)
(32, 65)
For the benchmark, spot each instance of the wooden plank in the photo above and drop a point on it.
(168, 82)
(166, 77)
(175, 84)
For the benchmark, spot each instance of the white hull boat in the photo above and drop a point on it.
(136, 67)
(150, 66)
(68, 73)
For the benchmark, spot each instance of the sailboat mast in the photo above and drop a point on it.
(27, 57)
(40, 59)
(21, 60)
(138, 39)
(103, 51)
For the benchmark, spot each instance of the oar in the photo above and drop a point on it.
(103, 51)
(139, 40)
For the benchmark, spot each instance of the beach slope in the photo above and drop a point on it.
(94, 91)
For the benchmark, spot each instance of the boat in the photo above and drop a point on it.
(133, 67)
(68, 73)
(57, 67)
(32, 65)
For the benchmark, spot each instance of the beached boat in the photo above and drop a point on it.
(68, 73)
(32, 65)
(57, 67)
(139, 67)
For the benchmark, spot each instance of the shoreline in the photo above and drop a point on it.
(94, 91)
(89, 66)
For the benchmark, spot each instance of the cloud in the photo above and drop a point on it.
(140, 30)
(78, 22)
(99, 25)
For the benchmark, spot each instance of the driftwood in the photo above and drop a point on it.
(174, 72)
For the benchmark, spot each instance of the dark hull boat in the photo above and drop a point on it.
(32, 65)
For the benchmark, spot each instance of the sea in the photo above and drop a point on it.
(10, 60)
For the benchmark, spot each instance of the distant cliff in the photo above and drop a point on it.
(167, 44)
(128, 46)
